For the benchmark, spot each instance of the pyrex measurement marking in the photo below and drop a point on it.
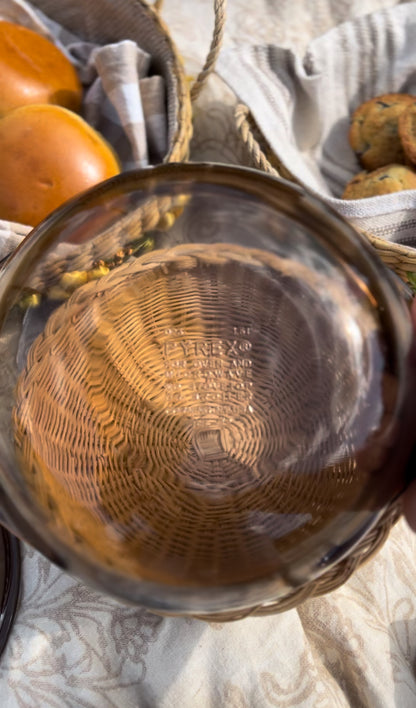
(215, 372)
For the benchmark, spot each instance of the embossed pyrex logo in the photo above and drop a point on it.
(208, 376)
(220, 347)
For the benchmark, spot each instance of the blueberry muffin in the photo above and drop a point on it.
(374, 130)
(390, 178)
(407, 132)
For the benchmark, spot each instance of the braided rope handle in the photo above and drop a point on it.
(256, 153)
(220, 7)
(216, 42)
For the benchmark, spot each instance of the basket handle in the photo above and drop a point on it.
(257, 155)
(214, 50)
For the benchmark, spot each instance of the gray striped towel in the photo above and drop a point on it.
(302, 105)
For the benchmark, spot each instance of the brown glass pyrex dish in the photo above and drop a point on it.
(207, 396)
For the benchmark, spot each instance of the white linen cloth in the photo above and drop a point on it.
(73, 647)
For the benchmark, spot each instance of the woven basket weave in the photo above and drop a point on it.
(94, 440)
(60, 340)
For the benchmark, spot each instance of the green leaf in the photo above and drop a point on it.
(412, 281)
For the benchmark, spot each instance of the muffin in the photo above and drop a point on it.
(374, 130)
(407, 132)
(384, 180)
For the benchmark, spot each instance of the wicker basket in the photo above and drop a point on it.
(108, 21)
(330, 580)
(401, 259)
(152, 214)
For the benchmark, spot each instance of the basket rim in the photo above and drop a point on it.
(182, 137)
(187, 94)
